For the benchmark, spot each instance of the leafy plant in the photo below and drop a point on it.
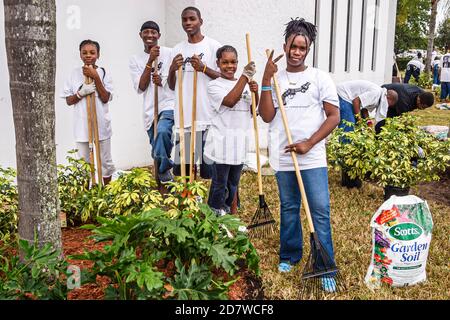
(132, 192)
(401, 155)
(8, 204)
(40, 274)
(425, 80)
(197, 241)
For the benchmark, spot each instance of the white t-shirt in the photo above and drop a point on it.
(418, 63)
(206, 49)
(305, 115)
(80, 127)
(372, 96)
(445, 67)
(227, 141)
(166, 97)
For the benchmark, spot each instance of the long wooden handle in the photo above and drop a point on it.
(181, 124)
(155, 118)
(255, 121)
(193, 129)
(96, 139)
(90, 135)
(293, 154)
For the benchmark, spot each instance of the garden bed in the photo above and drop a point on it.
(76, 241)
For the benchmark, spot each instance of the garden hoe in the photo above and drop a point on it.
(155, 124)
(181, 124)
(263, 223)
(320, 272)
(93, 136)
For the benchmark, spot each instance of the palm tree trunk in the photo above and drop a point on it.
(431, 30)
(30, 32)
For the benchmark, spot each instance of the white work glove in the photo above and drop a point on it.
(249, 70)
(86, 89)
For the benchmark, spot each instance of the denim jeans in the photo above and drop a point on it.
(224, 177)
(445, 90)
(411, 71)
(317, 193)
(436, 74)
(162, 145)
(205, 163)
(346, 113)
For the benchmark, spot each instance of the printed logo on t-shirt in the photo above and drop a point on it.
(246, 97)
(188, 60)
(290, 93)
(446, 62)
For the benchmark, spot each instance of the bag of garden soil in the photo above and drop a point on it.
(401, 236)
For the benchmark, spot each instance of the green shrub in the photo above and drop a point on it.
(40, 275)
(401, 155)
(425, 80)
(200, 246)
(8, 204)
(402, 62)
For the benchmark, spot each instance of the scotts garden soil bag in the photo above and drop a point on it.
(401, 232)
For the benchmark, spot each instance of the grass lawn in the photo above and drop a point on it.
(351, 211)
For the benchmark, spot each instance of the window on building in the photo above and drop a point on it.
(332, 54)
(348, 35)
(316, 23)
(363, 35)
(375, 35)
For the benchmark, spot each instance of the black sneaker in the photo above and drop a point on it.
(166, 177)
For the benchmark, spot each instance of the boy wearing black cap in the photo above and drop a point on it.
(144, 79)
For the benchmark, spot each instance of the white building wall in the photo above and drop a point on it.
(116, 27)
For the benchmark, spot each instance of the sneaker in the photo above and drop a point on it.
(328, 284)
(284, 267)
(166, 177)
(219, 212)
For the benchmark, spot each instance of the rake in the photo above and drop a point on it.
(193, 131)
(263, 223)
(320, 273)
(93, 136)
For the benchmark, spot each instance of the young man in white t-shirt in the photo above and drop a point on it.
(75, 92)
(144, 81)
(227, 139)
(414, 68)
(356, 99)
(312, 109)
(198, 53)
(444, 76)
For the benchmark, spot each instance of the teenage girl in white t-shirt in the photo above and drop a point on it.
(75, 92)
(227, 139)
(312, 108)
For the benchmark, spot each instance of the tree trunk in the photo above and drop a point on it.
(431, 34)
(30, 32)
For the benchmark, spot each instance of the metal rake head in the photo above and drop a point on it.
(263, 223)
(321, 275)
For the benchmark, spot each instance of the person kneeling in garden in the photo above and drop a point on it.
(227, 139)
(356, 99)
(312, 109)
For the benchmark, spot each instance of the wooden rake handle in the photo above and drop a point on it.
(155, 117)
(193, 129)
(181, 124)
(90, 133)
(293, 154)
(255, 121)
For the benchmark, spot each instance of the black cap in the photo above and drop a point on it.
(150, 25)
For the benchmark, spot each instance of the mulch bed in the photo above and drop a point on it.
(438, 191)
(76, 241)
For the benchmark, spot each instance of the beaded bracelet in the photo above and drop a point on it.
(266, 88)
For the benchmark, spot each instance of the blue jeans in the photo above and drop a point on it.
(436, 74)
(162, 145)
(224, 177)
(411, 71)
(317, 193)
(346, 113)
(205, 163)
(445, 90)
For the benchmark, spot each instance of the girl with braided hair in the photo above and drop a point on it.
(311, 105)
